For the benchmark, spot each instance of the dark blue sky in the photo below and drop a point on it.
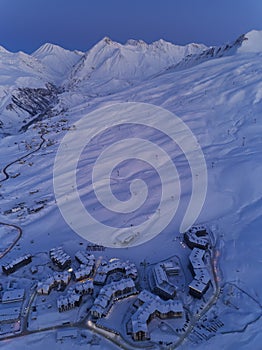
(79, 24)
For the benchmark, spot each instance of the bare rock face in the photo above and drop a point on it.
(35, 101)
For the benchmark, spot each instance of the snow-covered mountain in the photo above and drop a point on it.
(18, 71)
(58, 60)
(105, 68)
(114, 66)
(246, 43)
(216, 91)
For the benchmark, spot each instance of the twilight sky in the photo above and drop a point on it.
(79, 24)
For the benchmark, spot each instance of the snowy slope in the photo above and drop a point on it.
(252, 43)
(228, 49)
(49, 64)
(221, 101)
(18, 71)
(3, 50)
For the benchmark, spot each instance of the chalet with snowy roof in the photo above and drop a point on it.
(85, 258)
(84, 288)
(83, 272)
(126, 267)
(60, 258)
(69, 301)
(149, 307)
(111, 293)
(100, 278)
(56, 280)
(15, 264)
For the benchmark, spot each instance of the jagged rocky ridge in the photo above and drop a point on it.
(34, 101)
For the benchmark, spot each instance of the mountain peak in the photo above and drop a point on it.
(105, 43)
(56, 59)
(3, 50)
(46, 49)
(252, 42)
(161, 42)
(107, 40)
(133, 42)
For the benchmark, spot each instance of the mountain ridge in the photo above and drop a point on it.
(107, 68)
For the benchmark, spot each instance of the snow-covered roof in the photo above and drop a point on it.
(153, 305)
(196, 258)
(10, 296)
(106, 294)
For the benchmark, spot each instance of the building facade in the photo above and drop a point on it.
(15, 264)
(149, 307)
(60, 258)
(111, 293)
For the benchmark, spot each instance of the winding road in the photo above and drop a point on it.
(4, 170)
(7, 176)
(20, 232)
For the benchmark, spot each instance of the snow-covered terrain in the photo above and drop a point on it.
(217, 92)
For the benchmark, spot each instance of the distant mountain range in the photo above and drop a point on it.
(106, 68)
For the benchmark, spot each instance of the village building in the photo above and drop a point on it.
(84, 288)
(66, 334)
(69, 301)
(196, 258)
(60, 258)
(126, 267)
(162, 285)
(201, 281)
(58, 279)
(95, 248)
(111, 293)
(197, 237)
(83, 272)
(85, 258)
(15, 264)
(35, 209)
(149, 307)
(197, 288)
(11, 296)
(10, 314)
